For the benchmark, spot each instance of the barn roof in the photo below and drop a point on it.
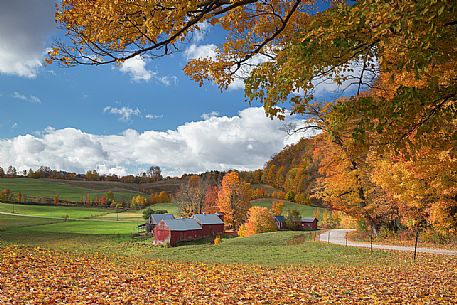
(156, 218)
(308, 219)
(208, 219)
(182, 224)
(279, 218)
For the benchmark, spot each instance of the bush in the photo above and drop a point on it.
(147, 212)
(260, 220)
(293, 219)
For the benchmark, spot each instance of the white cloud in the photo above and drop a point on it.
(200, 33)
(136, 67)
(31, 98)
(209, 51)
(207, 116)
(245, 141)
(151, 116)
(24, 27)
(124, 113)
(326, 87)
(200, 51)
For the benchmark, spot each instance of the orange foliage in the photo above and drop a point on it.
(210, 204)
(276, 207)
(260, 221)
(233, 199)
(37, 276)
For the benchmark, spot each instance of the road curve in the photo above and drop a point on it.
(338, 237)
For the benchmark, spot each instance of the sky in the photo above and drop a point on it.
(122, 119)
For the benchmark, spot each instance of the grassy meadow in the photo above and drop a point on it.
(304, 210)
(99, 230)
(48, 188)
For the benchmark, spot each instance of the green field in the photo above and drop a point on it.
(96, 230)
(53, 211)
(304, 210)
(66, 191)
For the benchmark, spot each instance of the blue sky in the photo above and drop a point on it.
(121, 119)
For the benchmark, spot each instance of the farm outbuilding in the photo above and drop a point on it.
(172, 231)
(211, 224)
(154, 220)
(308, 223)
(280, 222)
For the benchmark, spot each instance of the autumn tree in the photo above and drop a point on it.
(260, 220)
(276, 207)
(11, 172)
(191, 196)
(233, 199)
(6, 195)
(109, 197)
(154, 173)
(210, 203)
(424, 188)
(293, 219)
(138, 201)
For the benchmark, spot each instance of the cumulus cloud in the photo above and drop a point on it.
(326, 87)
(200, 33)
(24, 27)
(245, 141)
(136, 68)
(207, 116)
(209, 51)
(200, 51)
(124, 113)
(30, 98)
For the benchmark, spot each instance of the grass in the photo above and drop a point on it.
(115, 238)
(96, 230)
(82, 227)
(304, 210)
(12, 222)
(48, 188)
(52, 211)
(276, 248)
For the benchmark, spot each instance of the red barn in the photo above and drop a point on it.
(172, 231)
(211, 224)
(154, 220)
(308, 223)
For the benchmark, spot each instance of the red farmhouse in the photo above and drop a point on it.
(308, 223)
(172, 231)
(211, 224)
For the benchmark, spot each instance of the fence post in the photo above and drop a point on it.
(415, 245)
(328, 237)
(346, 239)
(371, 242)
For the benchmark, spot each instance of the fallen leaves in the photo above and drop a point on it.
(39, 276)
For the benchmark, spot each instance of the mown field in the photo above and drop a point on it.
(104, 230)
(66, 191)
(304, 210)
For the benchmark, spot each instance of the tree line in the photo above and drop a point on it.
(153, 174)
